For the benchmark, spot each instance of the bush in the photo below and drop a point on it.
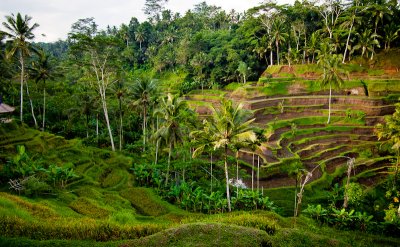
(33, 186)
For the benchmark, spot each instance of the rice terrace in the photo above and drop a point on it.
(272, 125)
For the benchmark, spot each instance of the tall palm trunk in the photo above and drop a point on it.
(329, 103)
(211, 170)
(120, 125)
(157, 143)
(348, 41)
(169, 163)
(270, 57)
(31, 103)
(237, 172)
(44, 105)
(228, 197)
(252, 175)
(144, 127)
(277, 51)
(21, 60)
(258, 172)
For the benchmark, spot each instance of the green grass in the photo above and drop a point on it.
(276, 88)
(145, 201)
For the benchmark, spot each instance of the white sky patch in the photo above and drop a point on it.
(55, 17)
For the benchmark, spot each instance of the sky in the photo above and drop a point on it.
(55, 17)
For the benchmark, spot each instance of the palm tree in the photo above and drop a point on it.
(391, 34)
(172, 109)
(41, 70)
(331, 75)
(139, 37)
(279, 34)
(199, 63)
(313, 44)
(120, 92)
(349, 22)
(143, 92)
(378, 11)
(229, 126)
(366, 42)
(244, 70)
(20, 32)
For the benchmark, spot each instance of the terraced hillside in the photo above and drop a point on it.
(293, 113)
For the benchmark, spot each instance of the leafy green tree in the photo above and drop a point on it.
(313, 44)
(143, 92)
(391, 34)
(172, 109)
(279, 34)
(140, 37)
(229, 126)
(244, 70)
(42, 70)
(366, 42)
(19, 30)
(332, 75)
(153, 9)
(199, 63)
(97, 57)
(390, 132)
(350, 19)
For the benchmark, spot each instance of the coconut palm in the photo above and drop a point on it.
(279, 34)
(229, 126)
(143, 91)
(391, 34)
(120, 91)
(332, 75)
(313, 44)
(42, 70)
(366, 42)
(20, 32)
(172, 109)
(350, 20)
(140, 37)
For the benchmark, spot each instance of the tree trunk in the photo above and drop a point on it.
(329, 103)
(120, 125)
(169, 163)
(228, 198)
(211, 169)
(144, 127)
(31, 103)
(348, 41)
(270, 57)
(277, 52)
(44, 105)
(97, 128)
(104, 103)
(237, 173)
(21, 60)
(252, 175)
(258, 172)
(157, 143)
